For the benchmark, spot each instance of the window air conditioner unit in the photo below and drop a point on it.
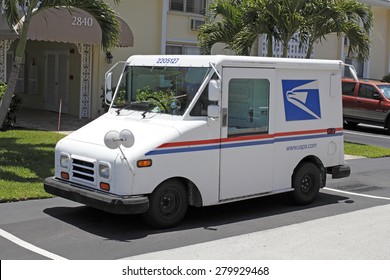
(196, 23)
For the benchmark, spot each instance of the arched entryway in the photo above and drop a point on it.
(59, 42)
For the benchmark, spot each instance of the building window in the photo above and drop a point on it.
(188, 6)
(294, 48)
(182, 49)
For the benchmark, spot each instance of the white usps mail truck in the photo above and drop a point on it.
(204, 130)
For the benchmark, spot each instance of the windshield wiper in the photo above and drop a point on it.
(118, 111)
(137, 105)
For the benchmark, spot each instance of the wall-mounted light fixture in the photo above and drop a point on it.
(109, 57)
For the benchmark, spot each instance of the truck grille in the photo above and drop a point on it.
(83, 170)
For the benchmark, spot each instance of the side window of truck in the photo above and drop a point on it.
(366, 91)
(248, 104)
(200, 108)
(348, 88)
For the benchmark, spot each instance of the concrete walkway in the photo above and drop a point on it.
(359, 235)
(50, 121)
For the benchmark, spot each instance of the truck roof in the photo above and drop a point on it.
(367, 81)
(229, 60)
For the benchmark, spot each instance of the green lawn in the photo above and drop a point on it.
(365, 150)
(26, 159)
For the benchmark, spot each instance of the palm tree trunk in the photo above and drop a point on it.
(310, 46)
(7, 98)
(19, 53)
(309, 50)
(285, 48)
(269, 46)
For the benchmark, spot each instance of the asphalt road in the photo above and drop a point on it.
(60, 229)
(371, 135)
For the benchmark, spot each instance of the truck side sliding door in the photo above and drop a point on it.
(246, 156)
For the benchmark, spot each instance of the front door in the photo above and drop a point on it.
(56, 80)
(246, 161)
(368, 108)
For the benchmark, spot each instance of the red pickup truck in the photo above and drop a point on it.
(366, 101)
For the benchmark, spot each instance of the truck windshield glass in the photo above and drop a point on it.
(385, 90)
(167, 90)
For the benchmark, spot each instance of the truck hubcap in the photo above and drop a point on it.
(168, 203)
(306, 184)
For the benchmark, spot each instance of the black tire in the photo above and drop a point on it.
(167, 205)
(352, 125)
(388, 126)
(323, 177)
(306, 182)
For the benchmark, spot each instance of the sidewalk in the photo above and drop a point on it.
(350, 157)
(338, 237)
(50, 121)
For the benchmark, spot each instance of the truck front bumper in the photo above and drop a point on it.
(106, 202)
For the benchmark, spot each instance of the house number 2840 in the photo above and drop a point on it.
(80, 21)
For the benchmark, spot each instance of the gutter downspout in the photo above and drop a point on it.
(164, 14)
(342, 52)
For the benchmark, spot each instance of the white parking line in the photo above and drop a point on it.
(29, 246)
(358, 194)
(366, 134)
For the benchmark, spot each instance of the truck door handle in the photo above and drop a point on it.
(251, 115)
(224, 116)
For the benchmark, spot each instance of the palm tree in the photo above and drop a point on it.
(18, 10)
(289, 17)
(258, 21)
(239, 23)
(348, 17)
(224, 21)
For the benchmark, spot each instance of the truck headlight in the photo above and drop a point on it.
(64, 161)
(104, 170)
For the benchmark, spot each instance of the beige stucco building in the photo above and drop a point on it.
(379, 63)
(70, 71)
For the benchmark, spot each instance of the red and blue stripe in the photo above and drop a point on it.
(242, 141)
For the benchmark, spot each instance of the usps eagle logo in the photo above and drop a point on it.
(301, 100)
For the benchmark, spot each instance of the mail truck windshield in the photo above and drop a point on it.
(167, 90)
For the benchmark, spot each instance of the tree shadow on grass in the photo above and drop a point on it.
(25, 162)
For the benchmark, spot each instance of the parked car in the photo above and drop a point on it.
(366, 101)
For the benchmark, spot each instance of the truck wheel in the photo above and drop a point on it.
(352, 125)
(167, 205)
(388, 126)
(306, 183)
(322, 177)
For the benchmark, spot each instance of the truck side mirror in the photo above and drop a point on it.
(377, 96)
(108, 88)
(214, 90)
(213, 111)
(214, 96)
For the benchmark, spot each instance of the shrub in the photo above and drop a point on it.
(10, 118)
(386, 78)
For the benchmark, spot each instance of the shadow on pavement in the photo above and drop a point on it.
(212, 218)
